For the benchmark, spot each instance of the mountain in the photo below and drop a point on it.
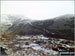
(7, 21)
(58, 27)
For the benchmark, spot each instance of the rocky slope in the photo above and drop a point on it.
(37, 45)
(41, 36)
(61, 27)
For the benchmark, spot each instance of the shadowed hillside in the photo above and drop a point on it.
(59, 27)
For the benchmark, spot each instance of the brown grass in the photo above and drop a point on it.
(8, 36)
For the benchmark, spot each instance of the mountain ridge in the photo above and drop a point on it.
(62, 27)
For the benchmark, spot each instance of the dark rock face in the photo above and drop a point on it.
(61, 27)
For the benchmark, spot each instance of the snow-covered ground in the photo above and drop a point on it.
(38, 45)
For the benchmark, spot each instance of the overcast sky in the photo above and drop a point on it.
(37, 9)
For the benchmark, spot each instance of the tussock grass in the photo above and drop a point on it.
(8, 36)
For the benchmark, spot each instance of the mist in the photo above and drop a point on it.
(37, 10)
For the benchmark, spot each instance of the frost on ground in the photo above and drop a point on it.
(37, 45)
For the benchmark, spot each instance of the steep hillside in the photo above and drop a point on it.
(59, 27)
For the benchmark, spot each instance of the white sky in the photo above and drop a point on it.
(37, 9)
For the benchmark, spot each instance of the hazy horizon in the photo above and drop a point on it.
(37, 10)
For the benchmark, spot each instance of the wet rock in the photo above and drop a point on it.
(27, 43)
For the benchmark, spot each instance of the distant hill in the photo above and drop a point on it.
(59, 26)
